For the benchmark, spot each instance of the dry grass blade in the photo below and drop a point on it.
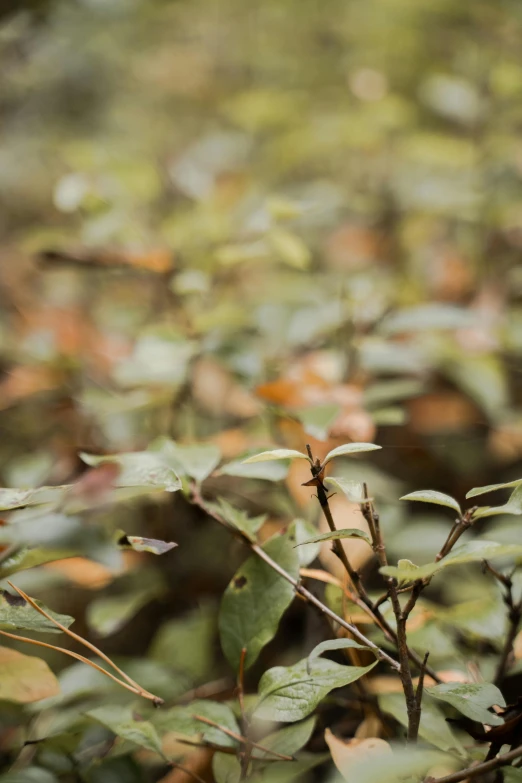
(134, 685)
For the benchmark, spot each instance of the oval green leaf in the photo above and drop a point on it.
(266, 456)
(288, 694)
(350, 448)
(334, 535)
(432, 496)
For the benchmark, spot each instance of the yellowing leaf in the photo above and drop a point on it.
(348, 754)
(25, 678)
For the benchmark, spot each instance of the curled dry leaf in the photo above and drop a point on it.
(349, 753)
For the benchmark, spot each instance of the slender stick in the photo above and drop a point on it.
(514, 618)
(245, 758)
(373, 610)
(257, 550)
(413, 704)
(137, 691)
(480, 769)
(241, 739)
(85, 643)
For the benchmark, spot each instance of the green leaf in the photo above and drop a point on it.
(30, 558)
(350, 448)
(334, 535)
(122, 723)
(302, 529)
(16, 614)
(471, 699)
(289, 771)
(289, 248)
(183, 721)
(264, 471)
(226, 768)
(19, 498)
(239, 519)
(109, 614)
(512, 775)
(25, 678)
(354, 490)
(513, 506)
(266, 456)
(432, 496)
(288, 740)
(433, 726)
(428, 316)
(139, 469)
(29, 775)
(492, 488)
(318, 420)
(186, 643)
(333, 644)
(288, 694)
(403, 765)
(196, 460)
(139, 544)
(473, 551)
(255, 600)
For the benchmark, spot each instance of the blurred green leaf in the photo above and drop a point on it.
(120, 721)
(183, 720)
(140, 468)
(433, 726)
(287, 740)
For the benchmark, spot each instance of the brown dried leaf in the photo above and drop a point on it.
(346, 754)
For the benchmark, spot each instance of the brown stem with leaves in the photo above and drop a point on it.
(355, 578)
(413, 698)
(257, 550)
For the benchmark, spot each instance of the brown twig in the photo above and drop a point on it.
(413, 704)
(243, 740)
(479, 769)
(514, 618)
(257, 550)
(245, 758)
(141, 691)
(372, 609)
(71, 654)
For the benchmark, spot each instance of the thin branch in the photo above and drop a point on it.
(413, 705)
(141, 691)
(257, 550)
(480, 769)
(245, 759)
(243, 740)
(187, 771)
(514, 618)
(373, 520)
(137, 691)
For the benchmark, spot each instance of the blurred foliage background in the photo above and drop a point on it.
(244, 224)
